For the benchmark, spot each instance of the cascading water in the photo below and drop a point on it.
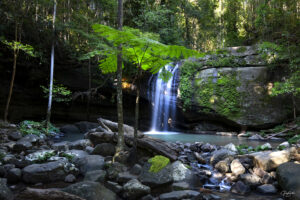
(163, 98)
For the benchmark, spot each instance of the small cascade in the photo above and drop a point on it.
(163, 97)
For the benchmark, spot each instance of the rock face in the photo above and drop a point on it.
(268, 160)
(45, 173)
(250, 83)
(288, 178)
(90, 191)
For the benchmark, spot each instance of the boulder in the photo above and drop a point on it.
(236, 167)
(95, 176)
(288, 178)
(270, 160)
(91, 163)
(230, 147)
(199, 158)
(180, 186)
(240, 188)
(90, 191)
(180, 172)
(220, 155)
(124, 177)
(267, 189)
(158, 179)
(70, 178)
(256, 137)
(47, 172)
(183, 194)
(85, 126)
(222, 166)
(80, 144)
(5, 192)
(133, 189)
(69, 128)
(14, 175)
(15, 135)
(61, 146)
(46, 194)
(136, 169)
(114, 186)
(250, 179)
(256, 109)
(104, 149)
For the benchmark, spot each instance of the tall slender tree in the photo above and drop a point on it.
(121, 143)
(51, 68)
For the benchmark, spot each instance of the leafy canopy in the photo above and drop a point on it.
(142, 49)
(14, 45)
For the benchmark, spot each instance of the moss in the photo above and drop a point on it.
(294, 139)
(36, 128)
(220, 94)
(228, 61)
(158, 163)
(187, 73)
(241, 49)
(68, 156)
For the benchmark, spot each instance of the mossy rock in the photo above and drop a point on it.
(158, 163)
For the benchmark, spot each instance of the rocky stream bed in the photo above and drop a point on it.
(37, 168)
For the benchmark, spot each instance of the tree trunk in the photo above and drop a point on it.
(90, 90)
(51, 70)
(12, 76)
(137, 104)
(294, 107)
(121, 143)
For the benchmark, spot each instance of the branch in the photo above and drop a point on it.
(284, 131)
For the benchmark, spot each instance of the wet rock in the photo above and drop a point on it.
(77, 155)
(69, 128)
(222, 166)
(114, 169)
(240, 188)
(180, 186)
(49, 194)
(80, 144)
(250, 179)
(85, 126)
(163, 177)
(220, 155)
(61, 146)
(44, 173)
(114, 186)
(259, 172)
(104, 149)
(256, 137)
(133, 189)
(40, 155)
(95, 176)
(267, 189)
(288, 178)
(89, 149)
(125, 177)
(268, 160)
(5, 192)
(236, 167)
(90, 191)
(199, 158)
(180, 172)
(147, 197)
(16, 135)
(22, 146)
(136, 169)
(70, 178)
(230, 147)
(207, 147)
(91, 163)
(14, 175)
(196, 147)
(183, 194)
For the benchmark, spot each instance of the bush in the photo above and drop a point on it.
(36, 128)
(158, 163)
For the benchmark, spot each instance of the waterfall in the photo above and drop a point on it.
(163, 97)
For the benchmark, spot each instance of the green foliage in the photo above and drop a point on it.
(220, 94)
(228, 61)
(187, 72)
(261, 148)
(36, 128)
(60, 93)
(294, 139)
(45, 157)
(66, 155)
(241, 50)
(158, 163)
(242, 147)
(290, 86)
(139, 48)
(270, 52)
(14, 45)
(281, 147)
